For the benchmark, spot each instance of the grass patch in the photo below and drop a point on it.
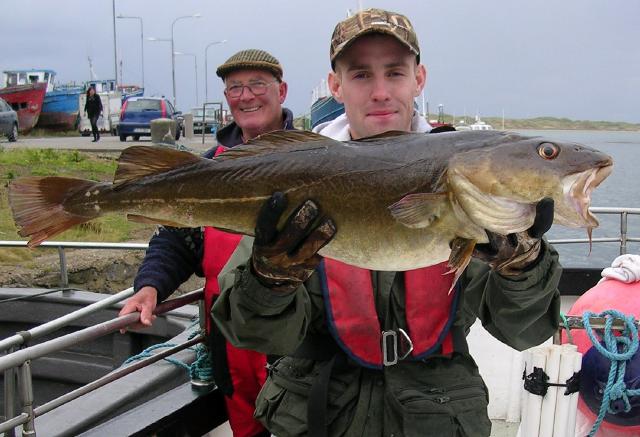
(16, 163)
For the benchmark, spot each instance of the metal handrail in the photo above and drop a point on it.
(62, 245)
(623, 239)
(20, 360)
(18, 357)
(123, 371)
(53, 325)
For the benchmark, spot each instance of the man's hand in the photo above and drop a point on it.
(283, 260)
(513, 253)
(144, 301)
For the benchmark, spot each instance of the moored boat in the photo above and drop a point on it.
(60, 105)
(27, 101)
(323, 106)
(60, 109)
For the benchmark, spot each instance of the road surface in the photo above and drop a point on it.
(107, 143)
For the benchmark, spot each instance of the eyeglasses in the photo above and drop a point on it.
(257, 88)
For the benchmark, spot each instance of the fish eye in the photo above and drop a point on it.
(548, 150)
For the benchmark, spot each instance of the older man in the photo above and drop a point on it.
(255, 92)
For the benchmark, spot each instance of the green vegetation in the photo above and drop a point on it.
(48, 162)
(41, 132)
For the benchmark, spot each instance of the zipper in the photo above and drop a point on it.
(443, 396)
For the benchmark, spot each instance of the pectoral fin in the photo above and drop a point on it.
(461, 251)
(419, 210)
(153, 221)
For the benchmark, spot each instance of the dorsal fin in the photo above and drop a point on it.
(388, 134)
(136, 162)
(277, 141)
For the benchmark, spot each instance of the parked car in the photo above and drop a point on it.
(210, 120)
(137, 113)
(8, 121)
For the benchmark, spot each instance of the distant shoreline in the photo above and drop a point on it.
(552, 123)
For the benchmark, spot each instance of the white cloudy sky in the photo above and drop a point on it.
(565, 58)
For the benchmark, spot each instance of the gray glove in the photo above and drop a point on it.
(511, 254)
(282, 260)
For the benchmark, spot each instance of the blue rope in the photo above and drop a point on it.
(566, 327)
(618, 349)
(200, 369)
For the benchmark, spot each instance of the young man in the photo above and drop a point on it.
(254, 91)
(368, 353)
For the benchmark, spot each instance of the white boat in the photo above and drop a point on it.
(480, 125)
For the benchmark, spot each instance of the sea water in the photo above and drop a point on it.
(620, 189)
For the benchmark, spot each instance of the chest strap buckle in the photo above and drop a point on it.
(396, 346)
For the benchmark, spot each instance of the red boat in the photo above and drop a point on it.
(26, 100)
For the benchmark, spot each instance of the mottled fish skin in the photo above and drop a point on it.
(356, 183)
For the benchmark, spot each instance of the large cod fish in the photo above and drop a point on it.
(400, 201)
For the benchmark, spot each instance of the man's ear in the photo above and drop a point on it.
(282, 91)
(335, 86)
(421, 78)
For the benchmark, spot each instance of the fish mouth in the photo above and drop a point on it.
(578, 189)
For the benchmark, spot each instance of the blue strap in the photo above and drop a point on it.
(618, 349)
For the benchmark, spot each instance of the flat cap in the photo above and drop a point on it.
(251, 59)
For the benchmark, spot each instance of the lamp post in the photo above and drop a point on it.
(141, 39)
(195, 64)
(115, 49)
(173, 57)
(206, 68)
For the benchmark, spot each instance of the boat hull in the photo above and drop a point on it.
(325, 109)
(60, 109)
(27, 101)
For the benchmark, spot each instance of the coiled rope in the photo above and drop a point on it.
(618, 349)
(201, 368)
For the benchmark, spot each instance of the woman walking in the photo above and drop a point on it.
(93, 108)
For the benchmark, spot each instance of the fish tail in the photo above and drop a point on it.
(38, 206)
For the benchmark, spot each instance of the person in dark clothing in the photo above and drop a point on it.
(255, 91)
(93, 108)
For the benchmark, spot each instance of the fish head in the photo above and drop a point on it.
(498, 186)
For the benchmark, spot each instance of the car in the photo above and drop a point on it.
(8, 121)
(138, 112)
(210, 120)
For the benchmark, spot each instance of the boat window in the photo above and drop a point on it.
(33, 78)
(22, 78)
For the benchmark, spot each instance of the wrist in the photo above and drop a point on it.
(273, 281)
(528, 258)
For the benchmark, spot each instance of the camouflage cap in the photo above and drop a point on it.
(251, 59)
(373, 21)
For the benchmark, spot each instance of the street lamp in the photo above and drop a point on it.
(206, 68)
(195, 64)
(141, 39)
(115, 48)
(173, 56)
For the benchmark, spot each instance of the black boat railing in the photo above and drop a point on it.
(16, 364)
